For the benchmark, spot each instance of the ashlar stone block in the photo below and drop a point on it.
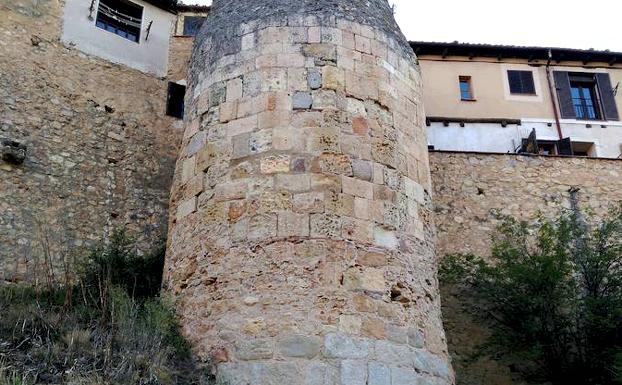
(300, 346)
(346, 347)
(293, 225)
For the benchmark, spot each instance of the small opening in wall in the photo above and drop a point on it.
(175, 100)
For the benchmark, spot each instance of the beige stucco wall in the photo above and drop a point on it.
(490, 87)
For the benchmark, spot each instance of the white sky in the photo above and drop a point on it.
(557, 23)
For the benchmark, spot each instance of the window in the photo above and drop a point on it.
(521, 82)
(175, 100)
(565, 146)
(121, 18)
(466, 91)
(583, 149)
(192, 24)
(584, 96)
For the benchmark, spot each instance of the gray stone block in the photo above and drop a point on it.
(196, 143)
(342, 346)
(353, 373)
(394, 354)
(300, 346)
(281, 373)
(401, 376)
(431, 363)
(416, 338)
(259, 373)
(255, 349)
(362, 169)
(314, 79)
(302, 100)
(378, 374)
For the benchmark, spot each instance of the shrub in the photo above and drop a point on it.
(552, 292)
(110, 327)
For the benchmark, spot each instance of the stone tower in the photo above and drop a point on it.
(300, 248)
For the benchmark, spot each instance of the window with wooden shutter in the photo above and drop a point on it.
(607, 97)
(562, 84)
(521, 82)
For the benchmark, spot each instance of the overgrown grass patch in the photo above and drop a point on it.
(108, 326)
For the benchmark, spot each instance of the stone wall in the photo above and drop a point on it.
(180, 52)
(100, 152)
(301, 247)
(469, 189)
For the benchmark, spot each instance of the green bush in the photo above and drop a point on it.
(108, 327)
(552, 292)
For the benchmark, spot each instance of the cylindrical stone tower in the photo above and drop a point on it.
(301, 248)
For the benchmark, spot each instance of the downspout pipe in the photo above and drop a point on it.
(553, 96)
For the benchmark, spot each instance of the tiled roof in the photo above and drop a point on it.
(515, 52)
(175, 6)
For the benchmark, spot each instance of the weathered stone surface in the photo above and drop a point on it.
(302, 100)
(95, 151)
(317, 172)
(300, 346)
(255, 349)
(353, 373)
(401, 376)
(378, 374)
(394, 354)
(314, 79)
(368, 279)
(346, 347)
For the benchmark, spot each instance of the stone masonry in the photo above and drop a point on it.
(470, 190)
(99, 152)
(301, 246)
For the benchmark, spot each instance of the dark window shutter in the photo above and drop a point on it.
(607, 97)
(521, 82)
(564, 147)
(562, 83)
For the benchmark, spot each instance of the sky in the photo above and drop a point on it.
(548, 23)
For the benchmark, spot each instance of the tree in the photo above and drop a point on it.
(553, 290)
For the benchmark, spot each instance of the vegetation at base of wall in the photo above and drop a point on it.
(552, 294)
(107, 326)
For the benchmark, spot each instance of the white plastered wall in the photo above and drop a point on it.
(492, 137)
(149, 55)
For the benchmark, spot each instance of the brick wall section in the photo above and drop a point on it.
(468, 189)
(301, 249)
(100, 152)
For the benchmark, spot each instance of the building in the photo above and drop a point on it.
(90, 99)
(307, 153)
(506, 99)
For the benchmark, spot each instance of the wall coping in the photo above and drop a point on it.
(521, 155)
